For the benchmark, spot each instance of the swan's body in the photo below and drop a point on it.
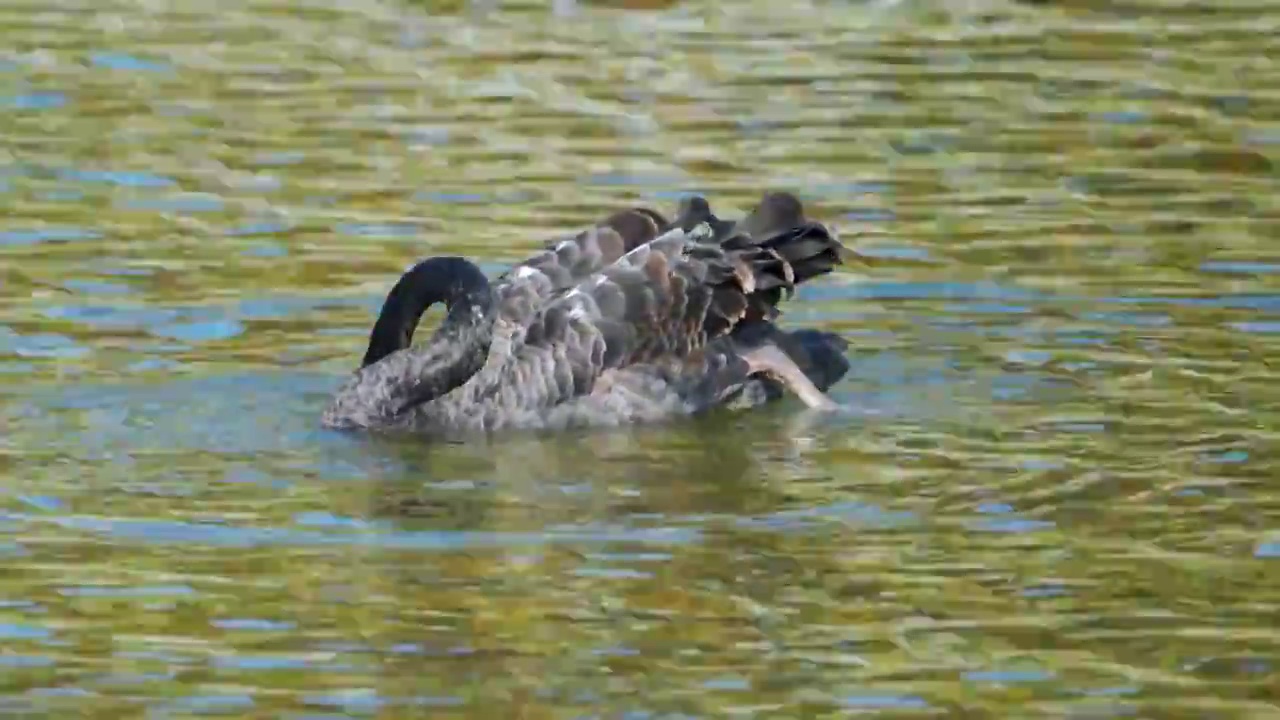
(634, 320)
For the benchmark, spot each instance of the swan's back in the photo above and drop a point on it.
(566, 261)
(608, 305)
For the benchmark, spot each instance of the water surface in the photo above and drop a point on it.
(1053, 494)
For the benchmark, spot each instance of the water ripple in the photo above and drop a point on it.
(1050, 493)
(173, 532)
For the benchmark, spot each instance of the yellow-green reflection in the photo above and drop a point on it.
(1053, 494)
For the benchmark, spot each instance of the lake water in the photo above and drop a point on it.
(1054, 493)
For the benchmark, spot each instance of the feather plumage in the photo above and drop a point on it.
(673, 322)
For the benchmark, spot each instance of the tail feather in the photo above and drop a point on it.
(637, 226)
(811, 250)
(694, 211)
(775, 213)
(783, 247)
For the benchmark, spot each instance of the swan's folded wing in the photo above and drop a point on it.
(566, 261)
(673, 295)
(777, 227)
(678, 292)
(662, 301)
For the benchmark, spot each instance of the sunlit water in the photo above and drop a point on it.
(1053, 492)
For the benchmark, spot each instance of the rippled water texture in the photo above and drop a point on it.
(1055, 494)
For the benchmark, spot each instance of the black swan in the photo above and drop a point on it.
(635, 319)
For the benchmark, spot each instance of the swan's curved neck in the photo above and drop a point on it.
(389, 380)
(454, 281)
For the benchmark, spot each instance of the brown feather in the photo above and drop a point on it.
(620, 297)
(635, 226)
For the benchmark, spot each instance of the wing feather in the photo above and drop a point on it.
(621, 296)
